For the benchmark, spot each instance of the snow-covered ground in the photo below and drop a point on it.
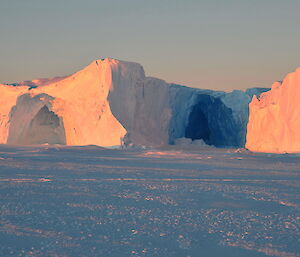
(90, 201)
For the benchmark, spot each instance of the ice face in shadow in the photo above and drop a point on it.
(154, 112)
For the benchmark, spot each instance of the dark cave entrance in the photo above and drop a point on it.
(213, 122)
(198, 127)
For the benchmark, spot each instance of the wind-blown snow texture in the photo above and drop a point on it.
(111, 101)
(88, 201)
(274, 121)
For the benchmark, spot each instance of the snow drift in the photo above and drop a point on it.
(274, 120)
(112, 102)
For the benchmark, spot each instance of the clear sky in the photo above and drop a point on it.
(224, 44)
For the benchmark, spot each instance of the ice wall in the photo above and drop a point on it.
(274, 120)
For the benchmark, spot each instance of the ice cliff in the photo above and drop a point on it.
(112, 102)
(274, 119)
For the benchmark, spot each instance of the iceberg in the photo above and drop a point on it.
(112, 103)
(274, 119)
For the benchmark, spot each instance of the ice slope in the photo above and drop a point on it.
(274, 120)
(112, 102)
(8, 99)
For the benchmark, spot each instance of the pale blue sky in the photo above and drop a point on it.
(225, 44)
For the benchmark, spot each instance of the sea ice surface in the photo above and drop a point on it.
(91, 201)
